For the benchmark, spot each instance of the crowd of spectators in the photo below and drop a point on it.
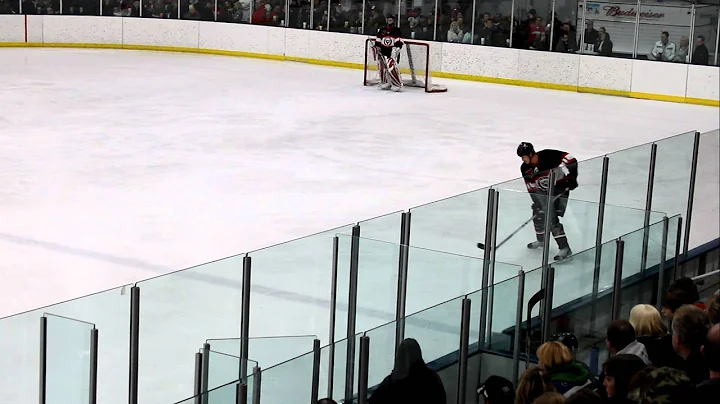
(649, 363)
(454, 21)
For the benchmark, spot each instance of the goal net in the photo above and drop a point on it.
(414, 66)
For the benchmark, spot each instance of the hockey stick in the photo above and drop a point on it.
(522, 226)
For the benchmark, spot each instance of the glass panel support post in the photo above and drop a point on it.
(463, 351)
(617, 282)
(648, 206)
(333, 313)
(352, 313)
(518, 327)
(245, 316)
(401, 300)
(486, 268)
(598, 239)
(663, 262)
(691, 191)
(364, 370)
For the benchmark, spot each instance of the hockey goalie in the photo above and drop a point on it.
(386, 52)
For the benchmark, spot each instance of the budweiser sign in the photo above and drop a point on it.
(617, 11)
(626, 12)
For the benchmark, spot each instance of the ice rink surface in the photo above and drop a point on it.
(119, 166)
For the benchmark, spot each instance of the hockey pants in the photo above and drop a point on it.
(556, 211)
(388, 69)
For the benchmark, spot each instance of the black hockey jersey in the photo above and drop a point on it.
(388, 38)
(536, 178)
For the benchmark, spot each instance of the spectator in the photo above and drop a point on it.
(688, 286)
(651, 332)
(681, 55)
(567, 339)
(585, 395)
(663, 50)
(690, 327)
(713, 308)
(497, 390)
(619, 371)
(620, 339)
(534, 382)
(454, 34)
(567, 375)
(326, 401)
(411, 380)
(592, 36)
(673, 300)
(663, 386)
(486, 32)
(604, 46)
(541, 42)
(565, 44)
(550, 398)
(709, 390)
(700, 56)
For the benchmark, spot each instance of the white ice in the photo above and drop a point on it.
(119, 166)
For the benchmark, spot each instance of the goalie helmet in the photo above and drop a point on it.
(525, 149)
(390, 19)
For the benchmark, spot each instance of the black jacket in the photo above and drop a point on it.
(411, 381)
(661, 352)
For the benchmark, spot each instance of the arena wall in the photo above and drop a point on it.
(570, 72)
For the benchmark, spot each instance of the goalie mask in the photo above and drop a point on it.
(390, 19)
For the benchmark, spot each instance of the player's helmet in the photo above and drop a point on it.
(567, 339)
(525, 149)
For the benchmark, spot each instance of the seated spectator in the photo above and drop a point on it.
(541, 42)
(688, 286)
(585, 395)
(663, 50)
(620, 339)
(411, 380)
(690, 327)
(567, 375)
(619, 371)
(550, 398)
(673, 300)
(604, 46)
(533, 383)
(709, 390)
(652, 333)
(455, 34)
(713, 308)
(700, 56)
(592, 36)
(565, 44)
(497, 390)
(663, 386)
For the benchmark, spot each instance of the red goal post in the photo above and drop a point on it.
(414, 66)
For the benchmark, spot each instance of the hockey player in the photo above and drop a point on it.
(386, 51)
(535, 170)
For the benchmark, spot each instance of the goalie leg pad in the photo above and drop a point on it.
(394, 73)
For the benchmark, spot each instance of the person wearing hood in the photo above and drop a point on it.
(568, 376)
(620, 339)
(411, 381)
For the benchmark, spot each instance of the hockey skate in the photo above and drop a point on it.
(564, 255)
(535, 245)
(396, 88)
(384, 86)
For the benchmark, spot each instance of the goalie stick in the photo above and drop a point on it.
(522, 226)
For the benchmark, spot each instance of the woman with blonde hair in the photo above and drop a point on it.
(550, 398)
(650, 330)
(534, 382)
(568, 376)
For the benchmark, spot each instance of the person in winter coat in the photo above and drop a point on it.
(411, 381)
(455, 34)
(620, 339)
(663, 50)
(603, 46)
(690, 327)
(567, 375)
(701, 55)
(619, 371)
(533, 383)
(652, 333)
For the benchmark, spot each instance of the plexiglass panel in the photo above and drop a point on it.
(110, 310)
(208, 297)
(672, 174)
(224, 368)
(68, 360)
(290, 288)
(290, 381)
(267, 351)
(451, 224)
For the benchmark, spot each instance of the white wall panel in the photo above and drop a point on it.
(35, 28)
(159, 32)
(12, 28)
(81, 29)
(233, 37)
(300, 43)
(659, 78)
(606, 73)
(548, 67)
(275, 41)
(483, 61)
(703, 82)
